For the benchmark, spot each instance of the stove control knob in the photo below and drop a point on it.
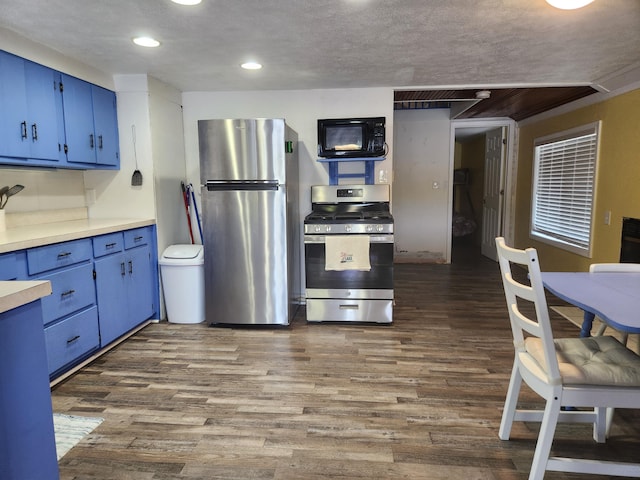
(369, 228)
(327, 228)
(317, 228)
(347, 228)
(379, 228)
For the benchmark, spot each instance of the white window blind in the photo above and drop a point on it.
(564, 175)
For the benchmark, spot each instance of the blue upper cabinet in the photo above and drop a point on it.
(91, 124)
(30, 112)
(105, 121)
(44, 104)
(78, 120)
(50, 119)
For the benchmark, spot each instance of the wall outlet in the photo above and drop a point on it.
(383, 176)
(607, 217)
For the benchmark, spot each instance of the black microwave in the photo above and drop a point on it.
(351, 137)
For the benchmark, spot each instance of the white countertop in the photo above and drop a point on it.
(19, 238)
(17, 293)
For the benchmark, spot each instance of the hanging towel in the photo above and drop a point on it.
(347, 252)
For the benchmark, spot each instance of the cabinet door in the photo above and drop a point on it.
(78, 120)
(111, 288)
(106, 126)
(140, 289)
(46, 137)
(14, 140)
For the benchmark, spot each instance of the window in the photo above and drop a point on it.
(563, 184)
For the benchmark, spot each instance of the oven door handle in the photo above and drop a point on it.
(372, 238)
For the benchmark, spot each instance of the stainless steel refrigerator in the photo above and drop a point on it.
(250, 219)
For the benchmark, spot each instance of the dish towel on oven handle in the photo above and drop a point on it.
(347, 252)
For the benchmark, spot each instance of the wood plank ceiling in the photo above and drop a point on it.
(515, 103)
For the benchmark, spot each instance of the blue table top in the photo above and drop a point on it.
(614, 297)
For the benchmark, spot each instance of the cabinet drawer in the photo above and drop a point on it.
(58, 255)
(8, 266)
(73, 289)
(107, 244)
(137, 237)
(72, 338)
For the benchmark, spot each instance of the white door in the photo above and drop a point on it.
(493, 200)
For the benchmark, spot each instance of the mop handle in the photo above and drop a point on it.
(185, 199)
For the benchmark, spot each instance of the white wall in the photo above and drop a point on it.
(45, 189)
(301, 109)
(115, 196)
(421, 198)
(165, 110)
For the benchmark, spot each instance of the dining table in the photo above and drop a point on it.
(613, 296)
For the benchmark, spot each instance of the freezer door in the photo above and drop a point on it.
(242, 149)
(245, 256)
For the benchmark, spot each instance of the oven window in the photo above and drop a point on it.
(380, 276)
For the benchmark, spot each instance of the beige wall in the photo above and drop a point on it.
(617, 181)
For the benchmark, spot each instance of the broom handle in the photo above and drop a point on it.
(185, 199)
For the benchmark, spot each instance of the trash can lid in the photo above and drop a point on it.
(182, 251)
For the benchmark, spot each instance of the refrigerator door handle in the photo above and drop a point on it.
(219, 185)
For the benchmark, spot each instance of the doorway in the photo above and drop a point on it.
(483, 172)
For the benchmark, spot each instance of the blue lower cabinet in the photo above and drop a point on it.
(27, 439)
(127, 277)
(72, 339)
(102, 288)
(9, 266)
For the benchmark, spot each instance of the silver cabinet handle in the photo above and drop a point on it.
(349, 307)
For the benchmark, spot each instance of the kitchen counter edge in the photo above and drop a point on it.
(45, 234)
(14, 294)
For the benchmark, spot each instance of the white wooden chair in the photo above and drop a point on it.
(613, 267)
(598, 373)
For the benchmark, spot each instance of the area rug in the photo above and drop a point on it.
(575, 316)
(70, 429)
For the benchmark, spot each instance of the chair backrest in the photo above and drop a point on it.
(527, 306)
(614, 267)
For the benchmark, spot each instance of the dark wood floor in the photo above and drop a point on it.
(420, 399)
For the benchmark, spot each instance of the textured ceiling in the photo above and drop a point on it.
(339, 43)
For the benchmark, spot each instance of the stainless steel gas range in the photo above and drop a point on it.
(348, 240)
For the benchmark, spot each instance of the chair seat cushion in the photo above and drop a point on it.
(591, 361)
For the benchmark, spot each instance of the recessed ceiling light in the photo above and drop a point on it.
(146, 42)
(569, 4)
(251, 66)
(187, 2)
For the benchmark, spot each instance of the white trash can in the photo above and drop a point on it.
(182, 272)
